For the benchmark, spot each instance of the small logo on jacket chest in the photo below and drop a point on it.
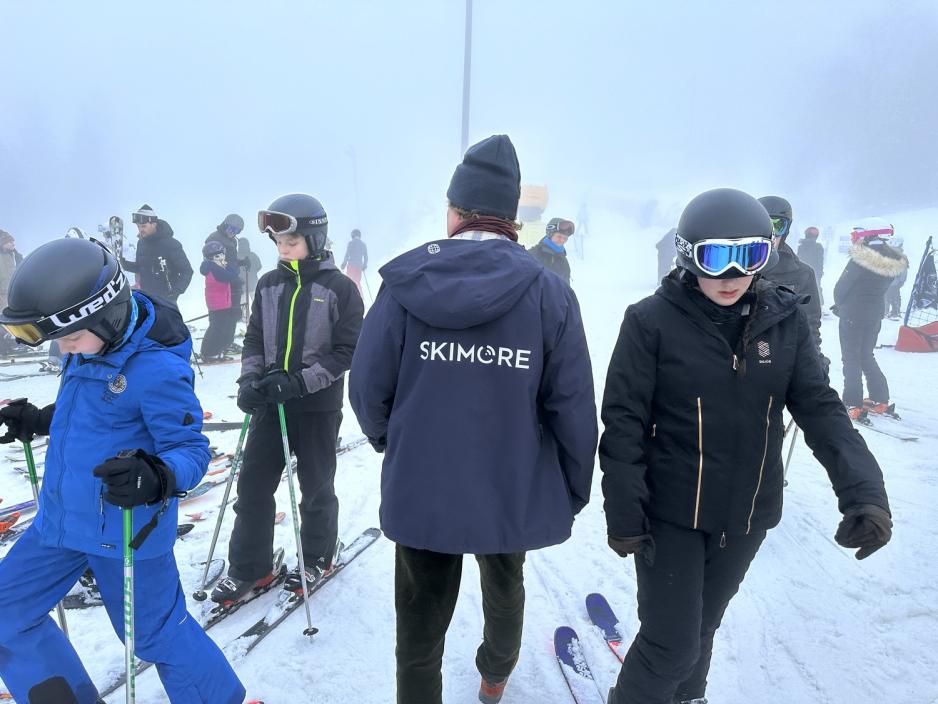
(118, 384)
(765, 352)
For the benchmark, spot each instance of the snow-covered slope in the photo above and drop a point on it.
(810, 625)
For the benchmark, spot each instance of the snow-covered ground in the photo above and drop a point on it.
(811, 624)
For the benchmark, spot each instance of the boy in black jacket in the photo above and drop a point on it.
(304, 325)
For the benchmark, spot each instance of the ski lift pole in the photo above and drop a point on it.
(129, 665)
(200, 595)
(310, 631)
(34, 482)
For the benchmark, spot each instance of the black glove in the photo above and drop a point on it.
(250, 400)
(643, 545)
(136, 478)
(835, 310)
(279, 386)
(380, 444)
(864, 526)
(24, 421)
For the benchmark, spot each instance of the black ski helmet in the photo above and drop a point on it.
(778, 208)
(311, 219)
(65, 286)
(212, 248)
(721, 213)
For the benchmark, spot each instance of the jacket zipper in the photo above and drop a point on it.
(761, 466)
(299, 283)
(699, 461)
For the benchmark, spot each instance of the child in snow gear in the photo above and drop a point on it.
(222, 283)
(712, 358)
(161, 266)
(551, 252)
(126, 385)
(859, 302)
(226, 235)
(304, 324)
(356, 259)
(473, 374)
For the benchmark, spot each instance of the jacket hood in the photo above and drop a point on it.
(457, 284)
(162, 327)
(163, 231)
(882, 260)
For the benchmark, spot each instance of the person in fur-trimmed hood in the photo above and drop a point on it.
(860, 304)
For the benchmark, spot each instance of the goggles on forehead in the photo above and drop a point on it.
(58, 324)
(274, 223)
(780, 226)
(143, 218)
(717, 256)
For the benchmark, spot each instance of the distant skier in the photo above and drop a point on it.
(226, 321)
(859, 302)
(811, 252)
(355, 260)
(126, 385)
(221, 279)
(304, 325)
(9, 260)
(691, 452)
(162, 267)
(666, 253)
(473, 373)
(551, 250)
(250, 265)
(791, 271)
(894, 292)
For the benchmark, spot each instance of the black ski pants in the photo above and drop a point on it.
(312, 437)
(681, 601)
(426, 585)
(857, 342)
(221, 331)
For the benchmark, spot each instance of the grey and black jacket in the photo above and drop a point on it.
(693, 429)
(305, 316)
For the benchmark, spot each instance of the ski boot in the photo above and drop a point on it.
(316, 572)
(230, 590)
(491, 692)
(857, 414)
(880, 409)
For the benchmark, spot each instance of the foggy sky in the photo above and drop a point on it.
(204, 108)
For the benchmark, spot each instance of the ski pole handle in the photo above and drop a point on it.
(129, 664)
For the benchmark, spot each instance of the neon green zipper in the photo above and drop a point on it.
(299, 282)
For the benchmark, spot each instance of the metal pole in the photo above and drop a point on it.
(129, 664)
(466, 76)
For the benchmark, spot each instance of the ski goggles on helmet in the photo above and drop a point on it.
(274, 223)
(780, 226)
(143, 218)
(714, 257)
(34, 333)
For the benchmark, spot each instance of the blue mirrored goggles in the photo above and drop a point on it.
(717, 256)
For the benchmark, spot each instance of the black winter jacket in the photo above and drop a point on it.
(793, 273)
(306, 320)
(231, 256)
(859, 295)
(162, 267)
(554, 261)
(811, 252)
(693, 435)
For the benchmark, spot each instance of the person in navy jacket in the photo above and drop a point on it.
(126, 385)
(472, 375)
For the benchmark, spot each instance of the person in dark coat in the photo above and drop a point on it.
(473, 376)
(691, 452)
(355, 260)
(666, 253)
(161, 266)
(859, 302)
(250, 266)
(790, 271)
(894, 292)
(226, 321)
(551, 250)
(811, 252)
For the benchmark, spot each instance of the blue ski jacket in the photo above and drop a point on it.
(138, 396)
(473, 367)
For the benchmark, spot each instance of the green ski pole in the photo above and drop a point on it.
(34, 481)
(129, 663)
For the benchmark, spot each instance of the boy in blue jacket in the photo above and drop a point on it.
(126, 385)
(472, 374)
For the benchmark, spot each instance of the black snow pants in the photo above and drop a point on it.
(221, 331)
(426, 585)
(857, 342)
(312, 437)
(681, 601)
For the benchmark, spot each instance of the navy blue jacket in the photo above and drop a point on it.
(473, 364)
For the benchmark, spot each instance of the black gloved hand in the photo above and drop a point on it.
(24, 421)
(280, 386)
(135, 479)
(250, 400)
(380, 444)
(864, 526)
(643, 545)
